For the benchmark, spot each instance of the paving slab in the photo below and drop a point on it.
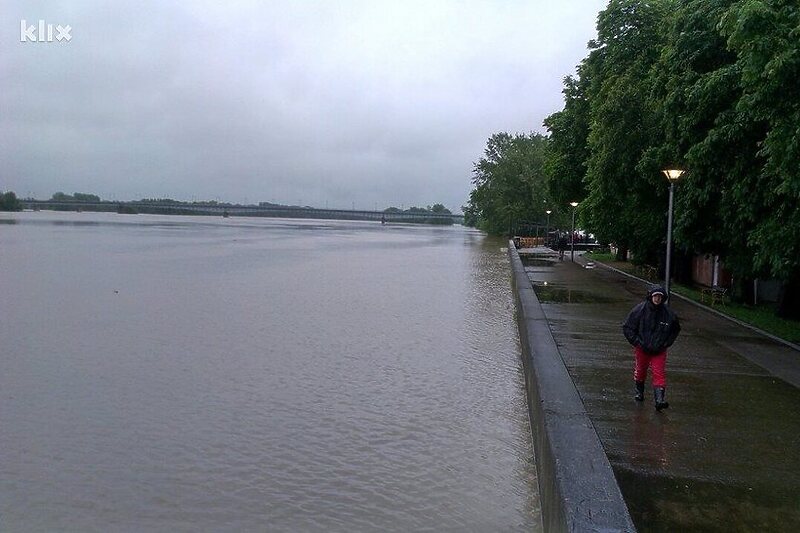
(726, 455)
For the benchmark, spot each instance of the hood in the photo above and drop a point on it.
(657, 288)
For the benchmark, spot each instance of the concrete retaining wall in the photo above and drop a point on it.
(577, 486)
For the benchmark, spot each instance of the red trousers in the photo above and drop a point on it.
(657, 361)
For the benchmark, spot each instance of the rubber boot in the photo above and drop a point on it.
(659, 394)
(639, 396)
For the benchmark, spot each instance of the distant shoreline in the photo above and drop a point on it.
(227, 210)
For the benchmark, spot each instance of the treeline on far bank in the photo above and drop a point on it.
(420, 213)
(706, 86)
(435, 214)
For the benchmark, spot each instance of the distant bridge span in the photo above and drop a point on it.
(242, 210)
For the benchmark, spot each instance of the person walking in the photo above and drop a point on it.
(561, 244)
(651, 328)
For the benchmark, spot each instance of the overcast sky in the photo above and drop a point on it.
(340, 103)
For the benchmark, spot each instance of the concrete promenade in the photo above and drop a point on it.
(726, 455)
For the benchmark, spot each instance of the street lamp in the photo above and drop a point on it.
(572, 237)
(672, 175)
(547, 228)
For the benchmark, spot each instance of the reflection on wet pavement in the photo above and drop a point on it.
(561, 294)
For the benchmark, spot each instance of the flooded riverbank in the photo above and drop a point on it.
(195, 373)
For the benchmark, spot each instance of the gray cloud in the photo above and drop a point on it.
(372, 103)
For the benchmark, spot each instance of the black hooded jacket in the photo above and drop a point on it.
(652, 327)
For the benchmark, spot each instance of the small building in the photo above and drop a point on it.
(710, 271)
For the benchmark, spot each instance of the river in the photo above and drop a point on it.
(166, 373)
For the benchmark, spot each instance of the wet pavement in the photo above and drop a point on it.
(725, 455)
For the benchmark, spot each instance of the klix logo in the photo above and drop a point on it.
(45, 32)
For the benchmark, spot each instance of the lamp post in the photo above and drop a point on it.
(547, 228)
(572, 237)
(672, 175)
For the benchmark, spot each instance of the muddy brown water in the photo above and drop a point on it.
(206, 374)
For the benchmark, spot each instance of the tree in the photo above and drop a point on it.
(470, 215)
(626, 197)
(439, 209)
(510, 182)
(83, 197)
(10, 202)
(695, 91)
(61, 197)
(727, 111)
(569, 150)
(765, 34)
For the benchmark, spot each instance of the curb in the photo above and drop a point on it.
(578, 490)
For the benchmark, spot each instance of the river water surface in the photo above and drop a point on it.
(193, 373)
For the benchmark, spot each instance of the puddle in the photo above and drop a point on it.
(555, 294)
(536, 261)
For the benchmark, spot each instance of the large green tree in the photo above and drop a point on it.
(696, 91)
(509, 182)
(626, 195)
(765, 34)
(695, 87)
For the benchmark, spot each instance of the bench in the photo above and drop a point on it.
(650, 273)
(714, 295)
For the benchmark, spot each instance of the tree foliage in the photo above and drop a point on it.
(435, 209)
(75, 197)
(765, 35)
(707, 85)
(9, 202)
(569, 149)
(625, 203)
(510, 182)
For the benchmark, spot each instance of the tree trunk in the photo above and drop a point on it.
(622, 253)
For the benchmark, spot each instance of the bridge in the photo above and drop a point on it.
(211, 209)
